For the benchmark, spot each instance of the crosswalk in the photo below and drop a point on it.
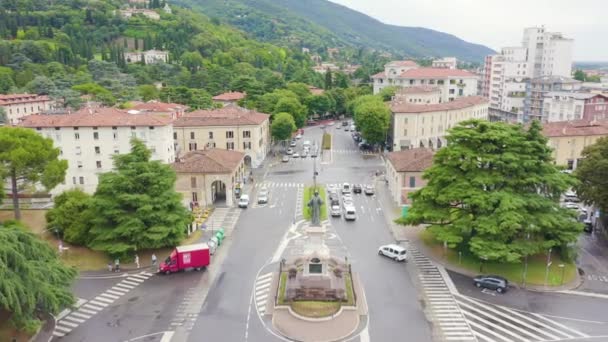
(494, 323)
(295, 185)
(262, 291)
(348, 151)
(597, 277)
(70, 320)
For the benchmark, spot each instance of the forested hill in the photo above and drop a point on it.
(319, 24)
(66, 48)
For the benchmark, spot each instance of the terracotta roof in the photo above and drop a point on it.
(95, 117)
(435, 73)
(155, 106)
(575, 128)
(402, 64)
(458, 103)
(209, 161)
(379, 75)
(231, 96)
(417, 90)
(412, 160)
(21, 98)
(227, 116)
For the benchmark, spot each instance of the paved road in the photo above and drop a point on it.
(593, 260)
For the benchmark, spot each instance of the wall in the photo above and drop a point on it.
(204, 186)
(16, 111)
(570, 148)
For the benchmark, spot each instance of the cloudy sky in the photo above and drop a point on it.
(498, 23)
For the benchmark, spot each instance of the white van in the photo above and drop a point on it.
(244, 201)
(346, 188)
(396, 252)
(350, 214)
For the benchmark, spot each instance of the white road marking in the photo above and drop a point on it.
(167, 336)
(99, 303)
(94, 307)
(64, 329)
(90, 312)
(133, 279)
(78, 314)
(74, 319)
(69, 324)
(104, 299)
(114, 292)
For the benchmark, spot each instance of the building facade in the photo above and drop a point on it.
(446, 63)
(425, 125)
(16, 106)
(171, 110)
(230, 128)
(89, 138)
(538, 87)
(572, 106)
(404, 171)
(229, 98)
(569, 138)
(148, 13)
(452, 83)
(148, 57)
(206, 177)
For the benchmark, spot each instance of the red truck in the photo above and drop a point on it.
(186, 257)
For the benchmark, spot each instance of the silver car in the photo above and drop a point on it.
(263, 196)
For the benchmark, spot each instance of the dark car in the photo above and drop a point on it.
(357, 189)
(491, 282)
(588, 226)
(344, 123)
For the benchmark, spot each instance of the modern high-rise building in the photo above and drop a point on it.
(506, 76)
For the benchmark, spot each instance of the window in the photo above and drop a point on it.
(193, 182)
(96, 135)
(194, 197)
(79, 163)
(58, 137)
(247, 145)
(210, 135)
(77, 136)
(440, 82)
(78, 151)
(191, 135)
(174, 135)
(98, 164)
(81, 180)
(97, 150)
(192, 146)
(151, 128)
(116, 150)
(246, 134)
(229, 134)
(460, 92)
(452, 81)
(451, 91)
(405, 131)
(405, 121)
(570, 164)
(74, 180)
(230, 146)
(412, 182)
(115, 135)
(411, 81)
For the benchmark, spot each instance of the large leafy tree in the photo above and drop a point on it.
(372, 117)
(293, 107)
(593, 175)
(70, 216)
(282, 126)
(26, 157)
(136, 207)
(495, 191)
(33, 279)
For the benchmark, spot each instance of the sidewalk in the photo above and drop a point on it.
(411, 234)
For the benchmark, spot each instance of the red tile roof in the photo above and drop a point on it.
(403, 64)
(379, 75)
(155, 106)
(575, 128)
(435, 73)
(412, 160)
(458, 103)
(209, 161)
(231, 96)
(95, 117)
(9, 99)
(227, 116)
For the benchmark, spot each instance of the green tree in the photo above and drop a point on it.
(318, 104)
(387, 93)
(294, 107)
(70, 216)
(2, 118)
(192, 60)
(495, 191)
(580, 75)
(592, 173)
(33, 280)
(300, 89)
(282, 126)
(328, 79)
(148, 92)
(6, 80)
(372, 118)
(136, 207)
(28, 158)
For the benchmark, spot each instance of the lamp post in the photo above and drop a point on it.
(548, 265)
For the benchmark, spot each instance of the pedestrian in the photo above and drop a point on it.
(110, 268)
(153, 259)
(116, 265)
(137, 260)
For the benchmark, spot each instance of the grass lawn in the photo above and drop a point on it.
(326, 144)
(315, 309)
(350, 295)
(512, 271)
(308, 194)
(282, 284)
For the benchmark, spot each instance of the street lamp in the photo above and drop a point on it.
(548, 265)
(563, 267)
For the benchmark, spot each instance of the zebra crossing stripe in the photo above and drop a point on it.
(79, 314)
(69, 324)
(139, 276)
(94, 307)
(58, 334)
(117, 293)
(488, 331)
(129, 282)
(511, 326)
(110, 296)
(96, 302)
(560, 325)
(135, 279)
(105, 300)
(61, 328)
(72, 318)
(125, 286)
(90, 312)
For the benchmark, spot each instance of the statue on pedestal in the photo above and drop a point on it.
(315, 204)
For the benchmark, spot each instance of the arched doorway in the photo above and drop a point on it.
(439, 143)
(430, 143)
(421, 144)
(248, 161)
(218, 193)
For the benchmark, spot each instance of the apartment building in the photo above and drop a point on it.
(446, 63)
(452, 83)
(404, 171)
(571, 106)
(569, 138)
(549, 53)
(89, 138)
(538, 87)
(148, 57)
(16, 106)
(230, 128)
(425, 125)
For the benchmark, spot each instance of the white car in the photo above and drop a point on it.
(336, 211)
(571, 205)
(293, 143)
(346, 188)
(289, 151)
(263, 196)
(350, 214)
(299, 136)
(348, 203)
(369, 190)
(306, 143)
(331, 123)
(244, 201)
(285, 159)
(396, 252)
(295, 155)
(347, 197)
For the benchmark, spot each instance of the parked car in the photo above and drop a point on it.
(314, 153)
(304, 153)
(357, 189)
(334, 201)
(289, 151)
(347, 197)
(369, 190)
(346, 203)
(263, 196)
(299, 136)
(491, 282)
(336, 211)
(293, 143)
(346, 129)
(332, 193)
(571, 205)
(395, 252)
(306, 143)
(285, 159)
(350, 213)
(295, 155)
(344, 123)
(346, 188)
(244, 201)
(588, 226)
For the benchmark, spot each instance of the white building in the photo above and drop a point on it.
(452, 83)
(549, 53)
(16, 106)
(148, 13)
(446, 63)
(149, 56)
(89, 138)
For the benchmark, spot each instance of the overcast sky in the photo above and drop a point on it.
(498, 23)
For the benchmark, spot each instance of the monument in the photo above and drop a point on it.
(315, 204)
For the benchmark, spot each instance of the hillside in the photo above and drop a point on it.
(319, 24)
